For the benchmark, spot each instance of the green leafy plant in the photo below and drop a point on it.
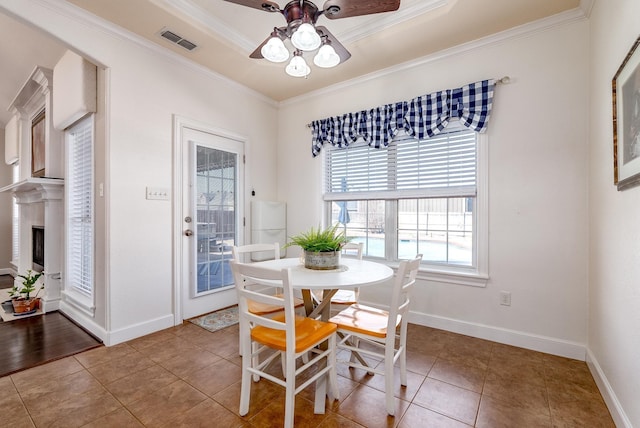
(320, 240)
(14, 292)
(28, 284)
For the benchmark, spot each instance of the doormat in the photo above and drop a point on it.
(217, 320)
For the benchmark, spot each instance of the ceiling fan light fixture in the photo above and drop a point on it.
(326, 57)
(298, 67)
(274, 50)
(302, 33)
(306, 38)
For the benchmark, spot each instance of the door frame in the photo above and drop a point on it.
(179, 124)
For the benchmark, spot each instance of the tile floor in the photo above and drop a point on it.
(188, 377)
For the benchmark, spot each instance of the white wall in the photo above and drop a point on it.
(614, 259)
(6, 202)
(145, 89)
(538, 170)
(141, 156)
(541, 213)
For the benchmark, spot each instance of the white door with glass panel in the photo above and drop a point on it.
(212, 219)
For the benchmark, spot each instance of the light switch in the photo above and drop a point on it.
(158, 193)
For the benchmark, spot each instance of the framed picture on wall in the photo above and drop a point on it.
(37, 145)
(626, 121)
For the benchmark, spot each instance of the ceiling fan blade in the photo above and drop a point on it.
(342, 52)
(335, 9)
(268, 6)
(257, 54)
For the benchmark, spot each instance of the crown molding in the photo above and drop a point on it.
(587, 7)
(538, 26)
(376, 24)
(81, 16)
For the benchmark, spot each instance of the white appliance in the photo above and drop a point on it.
(268, 225)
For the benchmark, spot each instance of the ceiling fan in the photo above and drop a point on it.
(305, 35)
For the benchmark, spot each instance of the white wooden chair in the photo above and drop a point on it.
(257, 252)
(360, 323)
(286, 333)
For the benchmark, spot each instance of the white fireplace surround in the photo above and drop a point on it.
(40, 200)
(41, 204)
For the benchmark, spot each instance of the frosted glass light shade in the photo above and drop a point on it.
(306, 38)
(326, 57)
(298, 67)
(274, 50)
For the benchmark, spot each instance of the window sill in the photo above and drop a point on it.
(471, 279)
(80, 301)
(459, 278)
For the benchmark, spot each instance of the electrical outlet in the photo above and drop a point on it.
(505, 298)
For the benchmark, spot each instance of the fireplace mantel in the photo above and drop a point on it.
(34, 189)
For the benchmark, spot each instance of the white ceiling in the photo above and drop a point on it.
(226, 33)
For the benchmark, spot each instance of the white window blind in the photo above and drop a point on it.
(443, 165)
(362, 168)
(79, 184)
(15, 224)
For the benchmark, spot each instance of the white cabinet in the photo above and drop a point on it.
(268, 224)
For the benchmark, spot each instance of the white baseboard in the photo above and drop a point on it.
(110, 338)
(615, 408)
(520, 339)
(50, 305)
(137, 330)
(87, 323)
(8, 271)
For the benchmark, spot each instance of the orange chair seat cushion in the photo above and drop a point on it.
(308, 333)
(364, 319)
(259, 308)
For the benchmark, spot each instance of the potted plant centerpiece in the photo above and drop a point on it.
(23, 301)
(321, 247)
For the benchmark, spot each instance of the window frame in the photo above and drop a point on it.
(476, 276)
(15, 220)
(80, 298)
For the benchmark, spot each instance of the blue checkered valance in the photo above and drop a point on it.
(421, 117)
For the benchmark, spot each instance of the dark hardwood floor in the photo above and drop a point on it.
(6, 281)
(32, 341)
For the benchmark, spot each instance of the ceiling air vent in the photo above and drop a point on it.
(178, 40)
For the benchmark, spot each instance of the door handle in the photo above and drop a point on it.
(188, 232)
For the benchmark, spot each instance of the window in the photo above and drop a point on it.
(79, 208)
(414, 197)
(15, 224)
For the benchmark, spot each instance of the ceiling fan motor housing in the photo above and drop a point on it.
(297, 12)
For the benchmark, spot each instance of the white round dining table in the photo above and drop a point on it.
(351, 273)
